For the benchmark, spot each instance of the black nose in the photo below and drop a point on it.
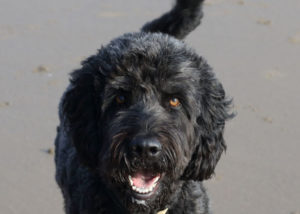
(145, 147)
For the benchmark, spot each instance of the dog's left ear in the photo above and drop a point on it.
(213, 112)
(80, 112)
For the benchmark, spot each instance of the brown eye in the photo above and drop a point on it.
(174, 102)
(120, 99)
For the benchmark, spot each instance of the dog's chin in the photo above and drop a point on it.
(144, 185)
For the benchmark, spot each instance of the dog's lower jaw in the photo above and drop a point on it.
(124, 197)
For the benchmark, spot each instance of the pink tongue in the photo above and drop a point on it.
(143, 180)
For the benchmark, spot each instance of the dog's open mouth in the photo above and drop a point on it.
(144, 184)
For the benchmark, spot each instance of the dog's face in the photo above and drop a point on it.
(146, 113)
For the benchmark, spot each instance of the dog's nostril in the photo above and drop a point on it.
(146, 147)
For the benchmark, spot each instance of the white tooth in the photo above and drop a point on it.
(130, 181)
(143, 190)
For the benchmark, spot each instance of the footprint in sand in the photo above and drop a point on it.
(6, 32)
(265, 22)
(295, 39)
(267, 119)
(273, 74)
(261, 5)
(33, 28)
(251, 108)
(50, 151)
(240, 2)
(4, 104)
(42, 69)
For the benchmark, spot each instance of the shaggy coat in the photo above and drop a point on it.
(141, 123)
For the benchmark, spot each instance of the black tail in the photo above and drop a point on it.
(180, 21)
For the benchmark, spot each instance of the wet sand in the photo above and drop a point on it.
(253, 46)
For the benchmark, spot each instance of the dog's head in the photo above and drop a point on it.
(145, 113)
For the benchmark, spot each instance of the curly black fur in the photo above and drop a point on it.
(121, 97)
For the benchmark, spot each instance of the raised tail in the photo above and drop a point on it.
(184, 17)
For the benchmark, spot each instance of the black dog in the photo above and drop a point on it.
(141, 123)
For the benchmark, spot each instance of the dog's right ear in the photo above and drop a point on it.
(214, 111)
(80, 112)
(180, 21)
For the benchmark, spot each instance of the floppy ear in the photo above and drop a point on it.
(214, 108)
(80, 112)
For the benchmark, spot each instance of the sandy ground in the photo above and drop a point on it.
(253, 46)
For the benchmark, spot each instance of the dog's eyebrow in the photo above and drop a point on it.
(181, 85)
(174, 89)
(122, 83)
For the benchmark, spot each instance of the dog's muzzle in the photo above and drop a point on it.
(144, 182)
